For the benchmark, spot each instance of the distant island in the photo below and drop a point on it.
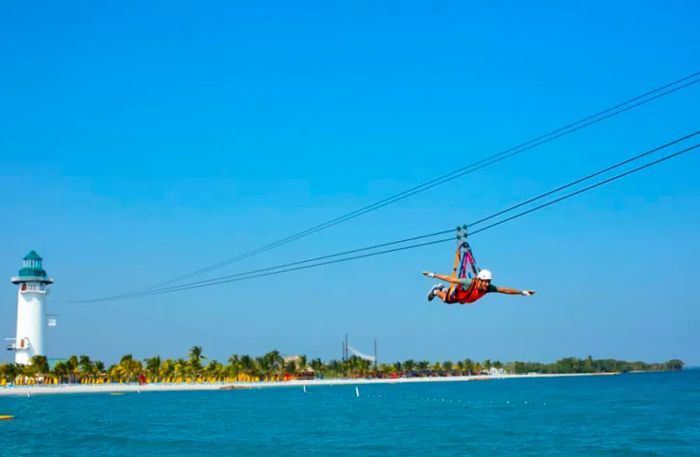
(272, 366)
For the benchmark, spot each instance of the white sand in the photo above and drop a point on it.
(158, 387)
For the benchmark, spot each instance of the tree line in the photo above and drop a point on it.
(272, 366)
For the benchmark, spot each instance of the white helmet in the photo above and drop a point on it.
(485, 275)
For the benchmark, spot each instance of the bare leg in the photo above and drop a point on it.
(441, 294)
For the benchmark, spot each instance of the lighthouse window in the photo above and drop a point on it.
(24, 286)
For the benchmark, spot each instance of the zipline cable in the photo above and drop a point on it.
(281, 268)
(488, 227)
(479, 164)
(443, 232)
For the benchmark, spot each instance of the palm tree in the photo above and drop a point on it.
(234, 365)
(409, 365)
(73, 368)
(62, 371)
(86, 366)
(469, 366)
(363, 366)
(153, 365)
(262, 365)
(318, 367)
(248, 365)
(39, 365)
(303, 365)
(386, 369)
(214, 369)
(167, 369)
(128, 368)
(274, 362)
(334, 367)
(9, 371)
(182, 368)
(196, 358)
(112, 372)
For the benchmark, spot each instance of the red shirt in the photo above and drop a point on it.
(467, 292)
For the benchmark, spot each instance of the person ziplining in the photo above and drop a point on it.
(468, 283)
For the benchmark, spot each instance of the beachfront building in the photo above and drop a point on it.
(496, 371)
(32, 282)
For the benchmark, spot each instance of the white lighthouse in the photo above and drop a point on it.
(31, 300)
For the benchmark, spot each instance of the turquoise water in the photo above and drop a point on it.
(634, 414)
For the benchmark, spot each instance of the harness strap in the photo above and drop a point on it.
(464, 258)
(458, 257)
(472, 261)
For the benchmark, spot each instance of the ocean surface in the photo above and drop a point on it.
(631, 414)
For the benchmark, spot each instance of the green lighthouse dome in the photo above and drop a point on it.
(32, 270)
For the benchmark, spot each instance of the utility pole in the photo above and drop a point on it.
(376, 361)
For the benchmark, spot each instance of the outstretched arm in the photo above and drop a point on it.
(509, 291)
(445, 278)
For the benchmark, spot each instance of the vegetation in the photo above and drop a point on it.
(589, 365)
(273, 367)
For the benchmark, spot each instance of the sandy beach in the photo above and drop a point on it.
(174, 387)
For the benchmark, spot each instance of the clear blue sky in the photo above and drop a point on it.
(139, 142)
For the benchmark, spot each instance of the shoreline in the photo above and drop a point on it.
(28, 391)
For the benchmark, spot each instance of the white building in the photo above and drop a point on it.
(31, 301)
(496, 371)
